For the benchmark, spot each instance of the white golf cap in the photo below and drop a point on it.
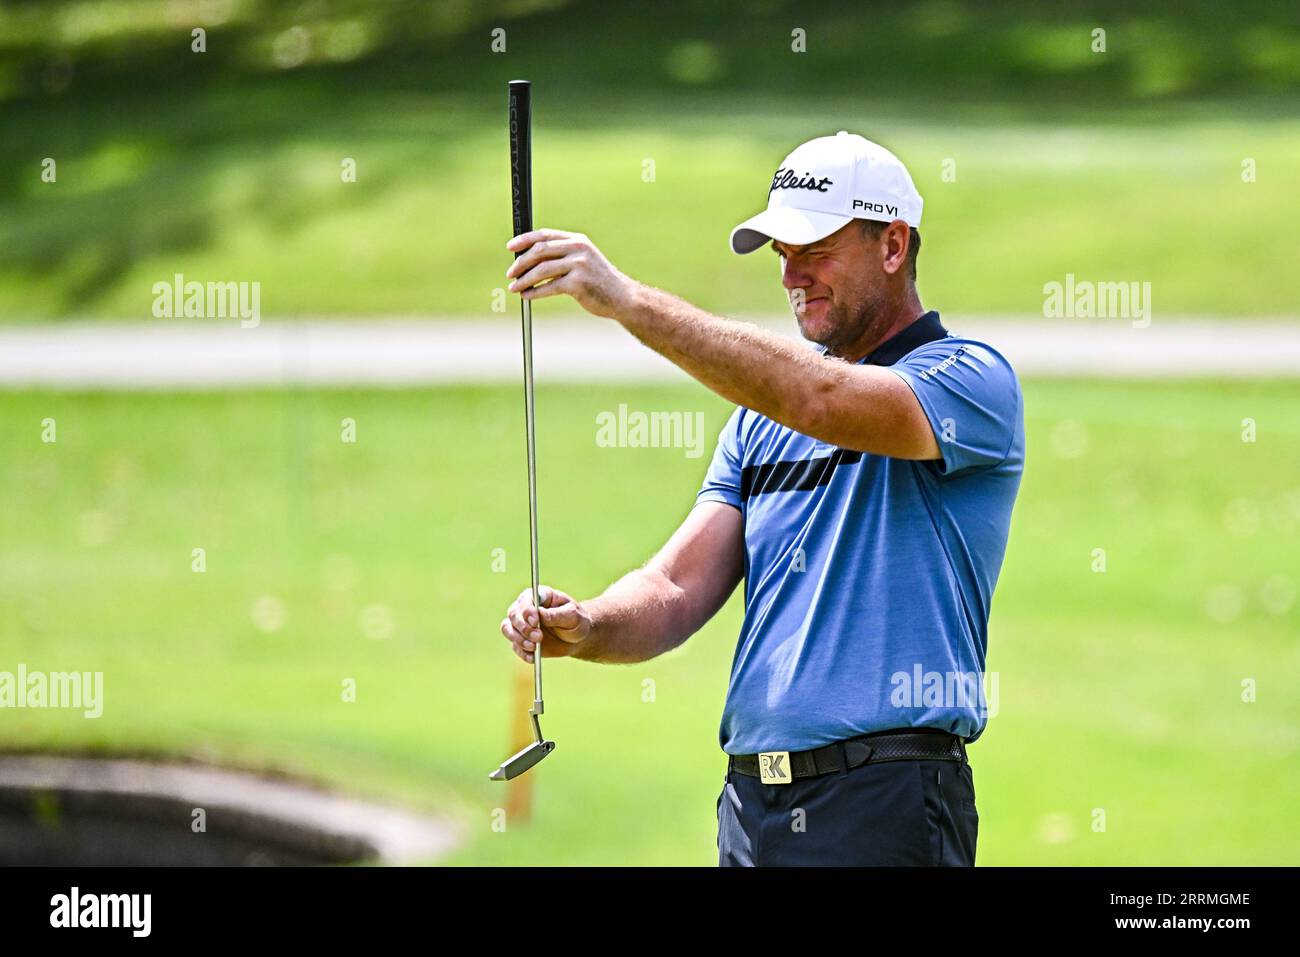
(824, 184)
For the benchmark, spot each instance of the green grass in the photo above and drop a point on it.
(242, 183)
(1118, 690)
(1037, 156)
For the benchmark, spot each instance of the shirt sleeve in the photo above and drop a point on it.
(970, 395)
(722, 482)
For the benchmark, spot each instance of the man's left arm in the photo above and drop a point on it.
(866, 408)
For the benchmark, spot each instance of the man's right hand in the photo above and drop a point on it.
(563, 625)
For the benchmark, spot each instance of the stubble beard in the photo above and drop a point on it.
(844, 328)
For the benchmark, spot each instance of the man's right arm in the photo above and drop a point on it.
(650, 610)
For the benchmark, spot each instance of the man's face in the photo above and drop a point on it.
(836, 285)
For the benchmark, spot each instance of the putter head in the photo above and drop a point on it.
(517, 764)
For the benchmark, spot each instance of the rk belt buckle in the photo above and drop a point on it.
(774, 767)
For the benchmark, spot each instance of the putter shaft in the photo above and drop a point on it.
(530, 428)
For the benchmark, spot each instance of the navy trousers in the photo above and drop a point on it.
(891, 813)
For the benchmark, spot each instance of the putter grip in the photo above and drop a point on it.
(521, 155)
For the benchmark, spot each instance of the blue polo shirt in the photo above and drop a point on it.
(868, 579)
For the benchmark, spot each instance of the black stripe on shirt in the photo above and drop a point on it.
(800, 475)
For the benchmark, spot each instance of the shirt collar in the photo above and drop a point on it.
(928, 328)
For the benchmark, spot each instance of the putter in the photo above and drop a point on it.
(521, 187)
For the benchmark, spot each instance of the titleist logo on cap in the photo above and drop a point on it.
(786, 179)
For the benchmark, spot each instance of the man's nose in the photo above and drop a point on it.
(795, 276)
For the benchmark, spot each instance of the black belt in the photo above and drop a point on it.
(914, 744)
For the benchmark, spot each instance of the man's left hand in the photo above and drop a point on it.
(554, 262)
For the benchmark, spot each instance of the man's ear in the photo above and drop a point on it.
(894, 242)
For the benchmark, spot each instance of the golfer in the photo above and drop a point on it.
(862, 489)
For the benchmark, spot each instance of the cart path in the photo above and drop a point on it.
(219, 354)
